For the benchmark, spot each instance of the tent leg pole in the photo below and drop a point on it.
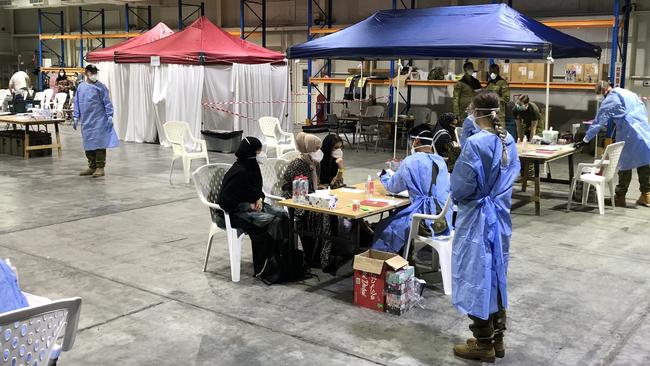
(399, 71)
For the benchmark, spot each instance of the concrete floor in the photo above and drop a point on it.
(132, 245)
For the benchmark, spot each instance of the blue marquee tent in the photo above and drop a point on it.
(480, 31)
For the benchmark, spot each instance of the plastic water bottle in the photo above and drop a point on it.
(295, 192)
(370, 186)
(305, 190)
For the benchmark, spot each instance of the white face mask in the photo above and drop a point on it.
(92, 77)
(337, 154)
(61, 74)
(469, 71)
(261, 158)
(317, 155)
(493, 76)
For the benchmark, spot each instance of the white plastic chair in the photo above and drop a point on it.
(208, 180)
(272, 173)
(291, 155)
(442, 244)
(598, 174)
(59, 103)
(39, 96)
(375, 111)
(275, 137)
(49, 93)
(177, 132)
(29, 335)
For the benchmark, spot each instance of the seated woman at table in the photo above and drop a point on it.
(242, 197)
(331, 167)
(424, 175)
(319, 251)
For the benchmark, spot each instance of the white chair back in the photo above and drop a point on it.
(40, 96)
(613, 155)
(176, 132)
(290, 156)
(60, 99)
(30, 334)
(49, 93)
(208, 180)
(268, 126)
(458, 131)
(272, 173)
(375, 111)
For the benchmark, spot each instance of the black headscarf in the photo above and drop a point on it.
(243, 182)
(442, 140)
(60, 77)
(328, 166)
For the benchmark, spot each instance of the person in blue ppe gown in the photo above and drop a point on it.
(629, 115)
(11, 298)
(481, 185)
(94, 112)
(424, 175)
(468, 128)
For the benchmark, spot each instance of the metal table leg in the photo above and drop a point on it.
(537, 194)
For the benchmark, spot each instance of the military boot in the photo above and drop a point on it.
(473, 349)
(98, 173)
(644, 199)
(87, 172)
(499, 346)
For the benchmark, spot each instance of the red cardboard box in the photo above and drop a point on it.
(369, 277)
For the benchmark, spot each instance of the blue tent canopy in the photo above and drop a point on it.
(480, 31)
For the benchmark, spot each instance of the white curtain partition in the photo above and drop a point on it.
(116, 79)
(145, 97)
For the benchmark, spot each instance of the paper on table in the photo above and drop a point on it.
(404, 194)
(390, 202)
(352, 190)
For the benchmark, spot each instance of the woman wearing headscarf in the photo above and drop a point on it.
(331, 167)
(318, 250)
(63, 85)
(242, 197)
(444, 139)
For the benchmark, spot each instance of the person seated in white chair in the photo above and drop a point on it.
(242, 198)
(12, 297)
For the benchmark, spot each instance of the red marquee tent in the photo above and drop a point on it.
(160, 31)
(202, 43)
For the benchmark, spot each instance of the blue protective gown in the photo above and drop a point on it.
(468, 130)
(11, 298)
(414, 175)
(480, 251)
(93, 109)
(628, 113)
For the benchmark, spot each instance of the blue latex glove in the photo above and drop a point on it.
(74, 123)
(110, 124)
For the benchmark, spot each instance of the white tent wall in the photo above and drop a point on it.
(145, 97)
(259, 90)
(115, 77)
(177, 94)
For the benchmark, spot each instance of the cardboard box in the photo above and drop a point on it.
(528, 72)
(400, 277)
(593, 75)
(504, 70)
(369, 277)
(574, 73)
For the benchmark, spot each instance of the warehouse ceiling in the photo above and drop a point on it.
(31, 4)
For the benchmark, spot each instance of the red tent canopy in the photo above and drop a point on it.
(160, 31)
(201, 43)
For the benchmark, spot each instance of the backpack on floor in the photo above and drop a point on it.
(286, 264)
